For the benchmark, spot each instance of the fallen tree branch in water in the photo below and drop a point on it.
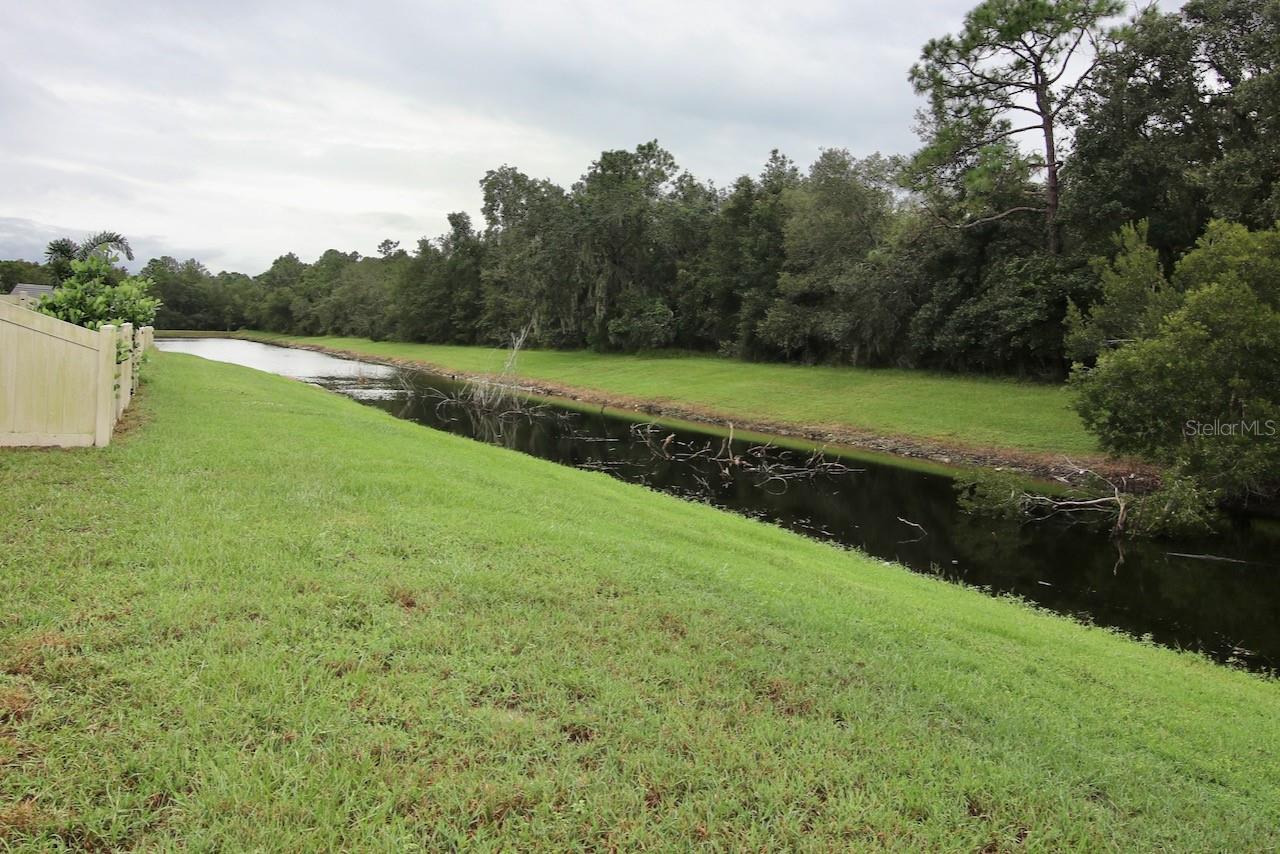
(1206, 557)
(1180, 506)
(773, 468)
(916, 525)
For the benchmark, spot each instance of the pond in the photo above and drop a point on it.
(1218, 595)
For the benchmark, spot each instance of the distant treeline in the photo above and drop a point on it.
(964, 256)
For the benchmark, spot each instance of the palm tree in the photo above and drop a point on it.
(61, 252)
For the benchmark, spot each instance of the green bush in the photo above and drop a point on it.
(1200, 392)
(91, 299)
(1180, 507)
(644, 324)
(1229, 251)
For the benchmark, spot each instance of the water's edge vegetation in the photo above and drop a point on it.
(333, 628)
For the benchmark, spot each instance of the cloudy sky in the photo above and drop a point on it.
(234, 133)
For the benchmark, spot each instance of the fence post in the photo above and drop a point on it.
(104, 387)
(126, 367)
(135, 356)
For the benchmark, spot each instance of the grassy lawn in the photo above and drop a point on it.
(269, 618)
(964, 411)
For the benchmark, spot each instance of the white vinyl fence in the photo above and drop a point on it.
(61, 384)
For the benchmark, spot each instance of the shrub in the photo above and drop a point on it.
(642, 325)
(91, 299)
(1201, 391)
(1180, 507)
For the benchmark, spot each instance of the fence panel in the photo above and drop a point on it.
(58, 381)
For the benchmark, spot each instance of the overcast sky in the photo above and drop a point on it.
(233, 133)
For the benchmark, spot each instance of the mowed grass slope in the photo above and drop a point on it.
(269, 618)
(963, 411)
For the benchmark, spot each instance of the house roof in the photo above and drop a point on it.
(23, 289)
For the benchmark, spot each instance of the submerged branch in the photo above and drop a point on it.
(772, 469)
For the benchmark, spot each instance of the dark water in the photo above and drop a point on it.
(1225, 603)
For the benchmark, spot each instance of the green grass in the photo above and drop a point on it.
(268, 618)
(961, 411)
